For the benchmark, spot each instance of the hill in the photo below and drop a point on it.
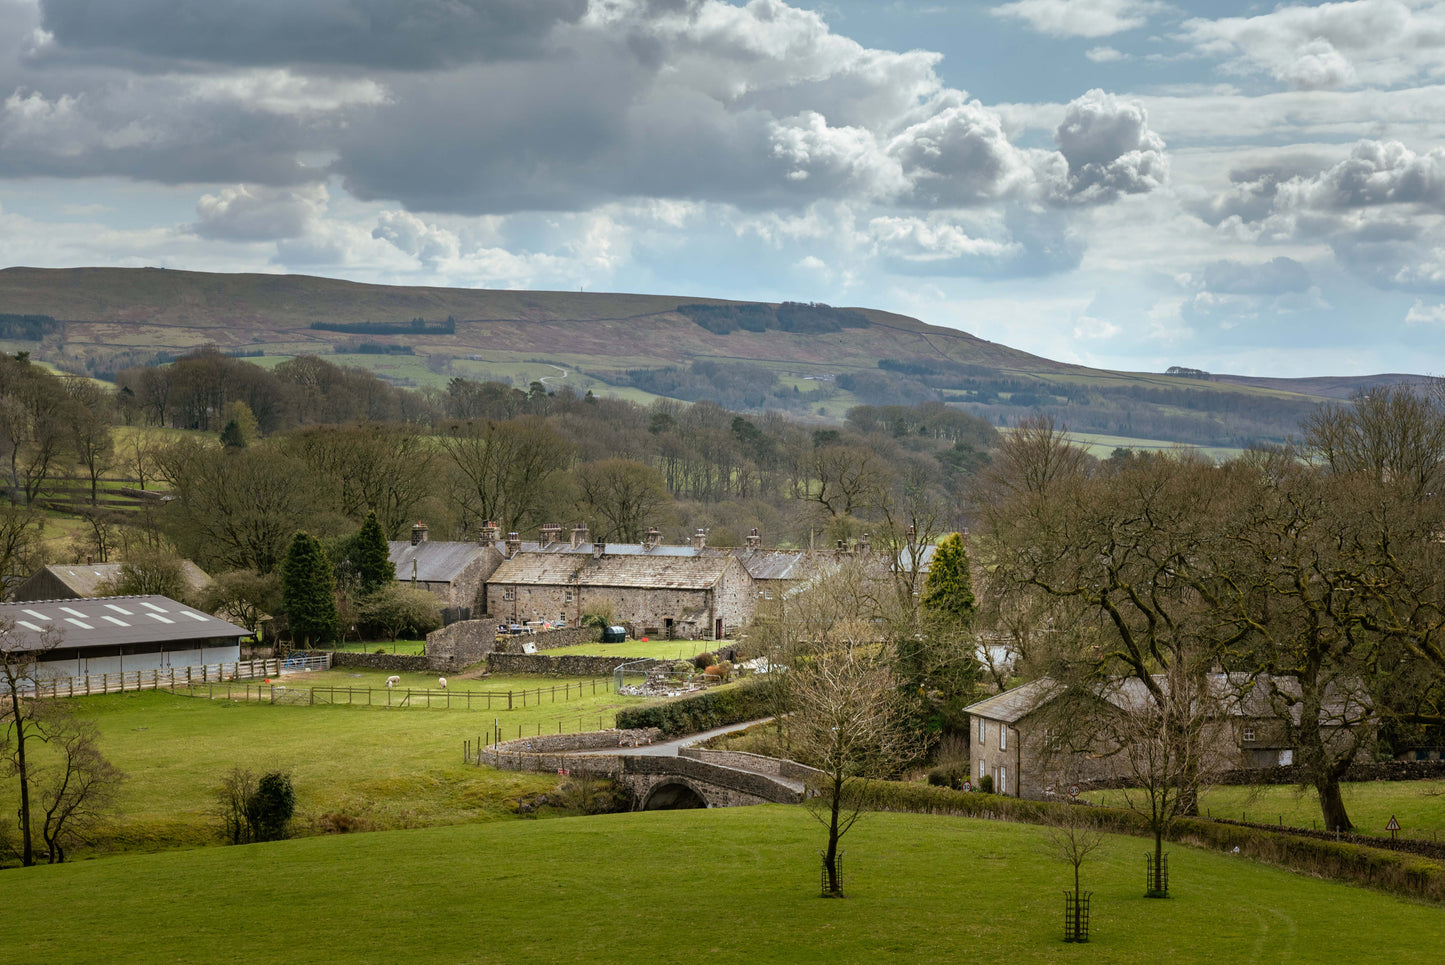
(812, 359)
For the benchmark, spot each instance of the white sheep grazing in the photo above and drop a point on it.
(392, 681)
(442, 683)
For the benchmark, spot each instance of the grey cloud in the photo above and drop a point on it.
(1272, 277)
(398, 34)
(1110, 149)
(258, 213)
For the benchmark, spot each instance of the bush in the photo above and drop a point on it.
(985, 784)
(718, 707)
(683, 666)
(951, 775)
(703, 660)
(397, 610)
(256, 810)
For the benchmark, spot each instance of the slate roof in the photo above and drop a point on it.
(622, 570)
(84, 579)
(111, 621)
(1011, 706)
(437, 561)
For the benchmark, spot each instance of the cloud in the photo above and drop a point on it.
(1382, 42)
(1422, 314)
(250, 212)
(410, 35)
(1109, 149)
(427, 243)
(1081, 18)
(1105, 55)
(1272, 277)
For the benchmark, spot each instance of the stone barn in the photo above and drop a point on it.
(673, 597)
(76, 581)
(117, 634)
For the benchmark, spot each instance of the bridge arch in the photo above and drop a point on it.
(674, 794)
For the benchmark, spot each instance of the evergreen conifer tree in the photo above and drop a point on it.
(374, 568)
(948, 591)
(308, 592)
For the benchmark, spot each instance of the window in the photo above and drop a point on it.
(1249, 733)
(1052, 741)
(982, 730)
(566, 596)
(510, 593)
(1003, 737)
(981, 771)
(1002, 781)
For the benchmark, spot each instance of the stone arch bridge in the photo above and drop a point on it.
(658, 776)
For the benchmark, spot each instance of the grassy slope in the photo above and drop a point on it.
(731, 886)
(389, 768)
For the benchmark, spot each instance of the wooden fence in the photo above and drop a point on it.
(171, 678)
(493, 700)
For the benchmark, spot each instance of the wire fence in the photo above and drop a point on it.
(398, 697)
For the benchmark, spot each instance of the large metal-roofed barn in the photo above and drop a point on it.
(117, 634)
(74, 581)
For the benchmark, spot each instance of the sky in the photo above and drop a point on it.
(1130, 184)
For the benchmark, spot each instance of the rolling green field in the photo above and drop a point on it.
(382, 767)
(728, 886)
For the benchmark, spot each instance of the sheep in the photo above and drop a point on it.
(442, 683)
(392, 681)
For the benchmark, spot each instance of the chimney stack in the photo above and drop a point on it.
(418, 533)
(491, 532)
(598, 548)
(699, 541)
(513, 544)
(755, 542)
(579, 535)
(865, 542)
(551, 533)
(652, 540)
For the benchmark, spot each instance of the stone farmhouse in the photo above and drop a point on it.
(1029, 739)
(117, 634)
(76, 581)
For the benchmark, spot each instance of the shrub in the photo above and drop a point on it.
(749, 700)
(985, 784)
(397, 610)
(683, 666)
(951, 775)
(703, 660)
(255, 810)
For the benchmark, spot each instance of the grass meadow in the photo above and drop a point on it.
(726, 886)
(376, 767)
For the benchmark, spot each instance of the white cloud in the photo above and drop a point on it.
(1382, 42)
(1110, 149)
(1105, 55)
(250, 212)
(1081, 18)
(1422, 314)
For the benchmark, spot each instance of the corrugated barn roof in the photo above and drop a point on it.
(110, 621)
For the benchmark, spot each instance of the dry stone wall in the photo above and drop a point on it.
(409, 663)
(570, 665)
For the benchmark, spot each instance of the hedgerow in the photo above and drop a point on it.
(703, 711)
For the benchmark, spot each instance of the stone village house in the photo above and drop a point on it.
(1018, 737)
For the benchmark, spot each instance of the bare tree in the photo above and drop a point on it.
(80, 786)
(849, 721)
(1073, 837)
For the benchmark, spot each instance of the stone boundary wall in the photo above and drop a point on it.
(461, 644)
(568, 665)
(550, 639)
(757, 763)
(409, 663)
(548, 752)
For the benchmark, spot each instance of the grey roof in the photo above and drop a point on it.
(1011, 706)
(85, 579)
(437, 561)
(625, 570)
(565, 548)
(110, 621)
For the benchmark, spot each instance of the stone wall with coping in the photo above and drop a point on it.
(549, 752)
(751, 762)
(568, 665)
(461, 644)
(395, 662)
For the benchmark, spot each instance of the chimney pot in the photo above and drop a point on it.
(699, 540)
(418, 533)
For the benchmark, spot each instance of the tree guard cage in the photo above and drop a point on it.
(1076, 916)
(1156, 880)
(826, 888)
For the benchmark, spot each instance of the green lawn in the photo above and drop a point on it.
(1419, 806)
(658, 649)
(410, 647)
(726, 886)
(388, 768)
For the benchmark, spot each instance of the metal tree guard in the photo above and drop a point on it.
(1156, 880)
(1076, 916)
